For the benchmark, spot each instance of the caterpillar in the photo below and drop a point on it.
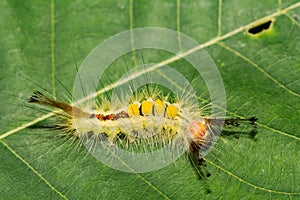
(137, 129)
(151, 120)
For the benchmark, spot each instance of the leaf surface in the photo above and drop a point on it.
(41, 41)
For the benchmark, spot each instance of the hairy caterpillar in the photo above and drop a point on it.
(151, 119)
(141, 130)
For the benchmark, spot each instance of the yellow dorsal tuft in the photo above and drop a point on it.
(159, 107)
(147, 107)
(133, 109)
(171, 111)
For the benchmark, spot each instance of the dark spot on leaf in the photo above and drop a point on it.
(260, 28)
(208, 191)
(296, 17)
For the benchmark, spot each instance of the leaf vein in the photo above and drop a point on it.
(131, 32)
(220, 18)
(178, 24)
(258, 68)
(248, 183)
(293, 19)
(53, 46)
(141, 177)
(33, 170)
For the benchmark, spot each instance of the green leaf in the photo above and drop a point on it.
(39, 41)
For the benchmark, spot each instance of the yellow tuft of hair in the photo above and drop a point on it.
(171, 111)
(147, 106)
(133, 109)
(159, 107)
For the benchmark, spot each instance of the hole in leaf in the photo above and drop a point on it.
(260, 27)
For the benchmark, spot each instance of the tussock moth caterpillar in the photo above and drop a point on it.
(148, 122)
(152, 116)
